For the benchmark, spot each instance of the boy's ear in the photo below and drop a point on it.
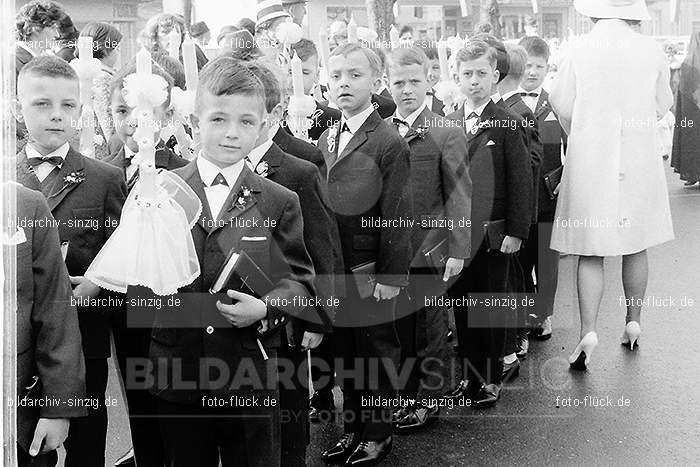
(377, 84)
(16, 109)
(496, 75)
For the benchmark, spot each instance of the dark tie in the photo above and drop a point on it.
(472, 115)
(127, 161)
(219, 180)
(37, 161)
(345, 128)
(529, 94)
(398, 122)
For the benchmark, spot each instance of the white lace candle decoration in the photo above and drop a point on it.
(174, 43)
(87, 69)
(446, 90)
(394, 37)
(300, 106)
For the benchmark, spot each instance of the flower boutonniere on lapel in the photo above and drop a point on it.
(421, 131)
(73, 178)
(262, 168)
(332, 134)
(242, 197)
(480, 126)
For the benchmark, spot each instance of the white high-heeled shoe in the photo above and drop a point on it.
(631, 334)
(581, 356)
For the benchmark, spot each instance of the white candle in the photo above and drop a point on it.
(325, 48)
(463, 6)
(352, 30)
(535, 7)
(189, 61)
(394, 37)
(297, 76)
(674, 11)
(442, 56)
(85, 47)
(174, 43)
(143, 62)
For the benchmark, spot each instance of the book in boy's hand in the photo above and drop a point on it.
(239, 272)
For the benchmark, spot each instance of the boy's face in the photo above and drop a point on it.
(476, 79)
(433, 72)
(535, 72)
(229, 126)
(309, 69)
(351, 82)
(50, 108)
(126, 121)
(408, 85)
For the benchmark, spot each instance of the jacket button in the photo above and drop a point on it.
(210, 329)
(277, 321)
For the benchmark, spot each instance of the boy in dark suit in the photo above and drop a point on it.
(441, 193)
(48, 337)
(368, 166)
(537, 253)
(86, 197)
(502, 188)
(241, 211)
(434, 104)
(323, 243)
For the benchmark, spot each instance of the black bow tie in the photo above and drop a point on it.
(398, 121)
(529, 94)
(219, 180)
(37, 161)
(430, 93)
(345, 128)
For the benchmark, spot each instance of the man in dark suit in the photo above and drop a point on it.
(502, 188)
(368, 166)
(441, 193)
(48, 337)
(321, 240)
(325, 117)
(241, 211)
(537, 254)
(86, 197)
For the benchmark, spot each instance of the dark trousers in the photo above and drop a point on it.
(364, 352)
(545, 262)
(294, 404)
(481, 332)
(200, 436)
(50, 459)
(323, 368)
(131, 345)
(87, 436)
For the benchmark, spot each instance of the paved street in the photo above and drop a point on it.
(659, 382)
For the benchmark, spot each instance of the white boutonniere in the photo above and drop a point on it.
(73, 178)
(480, 126)
(262, 169)
(332, 134)
(421, 131)
(242, 197)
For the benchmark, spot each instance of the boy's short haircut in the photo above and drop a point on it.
(105, 38)
(431, 52)
(530, 21)
(475, 49)
(406, 29)
(270, 82)
(517, 59)
(500, 51)
(375, 64)
(48, 66)
(407, 56)
(305, 49)
(36, 16)
(171, 66)
(117, 82)
(382, 57)
(227, 76)
(535, 47)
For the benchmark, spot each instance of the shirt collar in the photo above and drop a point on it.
(61, 152)
(208, 171)
(355, 122)
(258, 152)
(412, 117)
(496, 97)
(508, 95)
(24, 46)
(128, 153)
(381, 90)
(479, 110)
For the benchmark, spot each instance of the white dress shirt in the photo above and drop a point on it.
(531, 101)
(45, 168)
(496, 97)
(470, 122)
(217, 194)
(131, 168)
(410, 120)
(354, 124)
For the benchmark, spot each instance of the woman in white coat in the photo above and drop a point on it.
(612, 86)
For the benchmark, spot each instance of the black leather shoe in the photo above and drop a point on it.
(511, 371)
(523, 343)
(456, 392)
(342, 449)
(488, 396)
(321, 407)
(127, 460)
(417, 417)
(399, 414)
(369, 452)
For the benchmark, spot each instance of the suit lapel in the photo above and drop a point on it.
(360, 136)
(72, 165)
(542, 104)
(25, 174)
(231, 208)
(190, 174)
(480, 126)
(273, 157)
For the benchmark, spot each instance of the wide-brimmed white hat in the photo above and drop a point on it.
(635, 10)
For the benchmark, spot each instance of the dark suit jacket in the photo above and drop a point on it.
(88, 213)
(165, 159)
(178, 340)
(437, 106)
(440, 185)
(325, 117)
(300, 148)
(48, 337)
(385, 93)
(368, 181)
(501, 172)
(320, 230)
(553, 137)
(534, 142)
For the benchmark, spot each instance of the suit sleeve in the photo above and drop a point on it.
(396, 204)
(518, 168)
(58, 352)
(457, 191)
(290, 266)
